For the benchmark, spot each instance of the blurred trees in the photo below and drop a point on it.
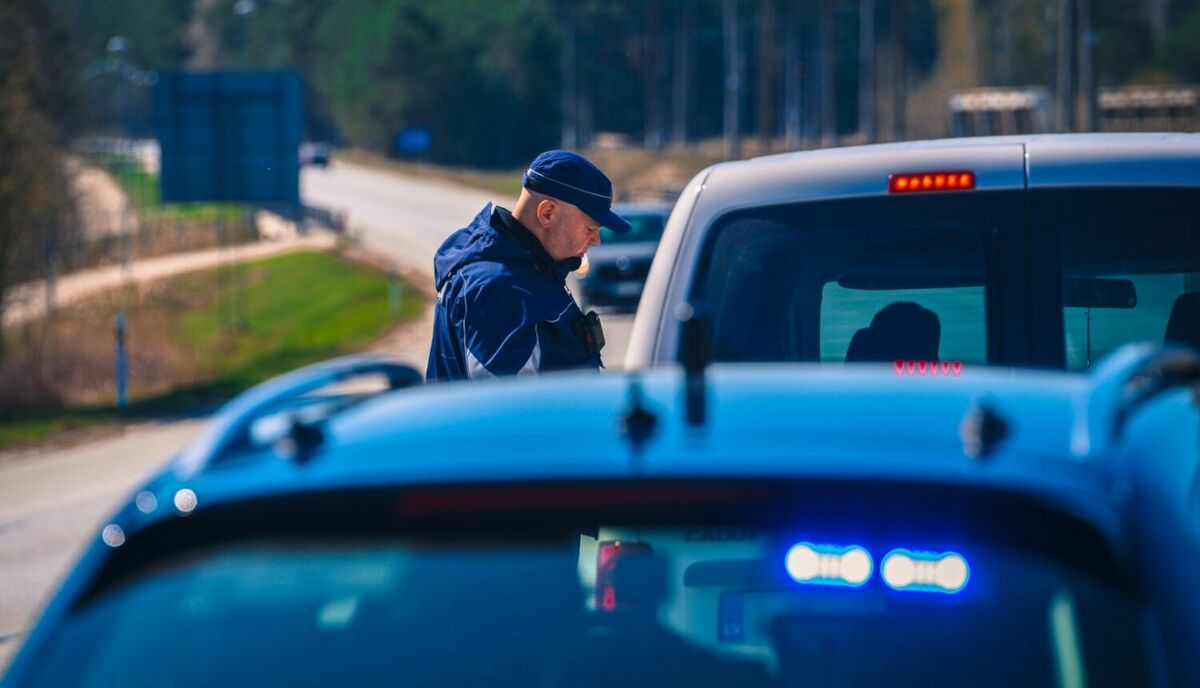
(1179, 53)
(482, 76)
(37, 106)
(155, 28)
(497, 81)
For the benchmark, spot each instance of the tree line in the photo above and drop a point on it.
(39, 111)
(496, 82)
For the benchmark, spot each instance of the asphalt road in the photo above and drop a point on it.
(53, 503)
(401, 218)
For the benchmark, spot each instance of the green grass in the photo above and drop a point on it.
(143, 190)
(234, 327)
(292, 310)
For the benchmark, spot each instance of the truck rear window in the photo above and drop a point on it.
(1129, 279)
(863, 280)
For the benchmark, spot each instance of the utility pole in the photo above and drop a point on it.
(866, 70)
(120, 372)
(828, 76)
(1156, 11)
(810, 106)
(733, 69)
(584, 117)
(51, 258)
(1002, 43)
(277, 38)
(244, 9)
(652, 77)
(1087, 52)
(682, 78)
(899, 55)
(792, 83)
(570, 94)
(1065, 112)
(764, 108)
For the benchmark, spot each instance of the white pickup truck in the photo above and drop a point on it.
(1045, 251)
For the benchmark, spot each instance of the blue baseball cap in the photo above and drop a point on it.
(573, 178)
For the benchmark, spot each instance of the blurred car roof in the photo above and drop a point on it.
(1049, 439)
(787, 421)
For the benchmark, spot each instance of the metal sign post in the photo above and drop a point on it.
(120, 336)
(394, 294)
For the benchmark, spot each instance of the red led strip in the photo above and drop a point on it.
(909, 182)
(930, 368)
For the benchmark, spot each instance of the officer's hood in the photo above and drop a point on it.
(479, 241)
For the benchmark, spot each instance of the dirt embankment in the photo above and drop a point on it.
(100, 199)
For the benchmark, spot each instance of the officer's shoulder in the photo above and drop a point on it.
(486, 272)
(485, 278)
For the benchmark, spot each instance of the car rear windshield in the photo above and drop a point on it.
(627, 605)
(1130, 270)
(868, 280)
(1055, 277)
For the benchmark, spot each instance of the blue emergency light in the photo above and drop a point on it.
(828, 564)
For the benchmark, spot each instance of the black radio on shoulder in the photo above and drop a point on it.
(590, 332)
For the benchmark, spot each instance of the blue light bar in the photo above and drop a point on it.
(828, 564)
(944, 572)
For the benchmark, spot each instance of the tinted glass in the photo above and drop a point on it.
(869, 280)
(846, 311)
(711, 606)
(1131, 276)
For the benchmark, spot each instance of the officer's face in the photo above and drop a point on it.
(570, 231)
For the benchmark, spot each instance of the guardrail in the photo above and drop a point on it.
(333, 220)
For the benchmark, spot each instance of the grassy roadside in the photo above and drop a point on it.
(194, 340)
(142, 189)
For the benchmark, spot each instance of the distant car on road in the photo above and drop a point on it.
(314, 154)
(714, 526)
(1044, 251)
(620, 263)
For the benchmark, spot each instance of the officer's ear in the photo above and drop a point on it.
(546, 210)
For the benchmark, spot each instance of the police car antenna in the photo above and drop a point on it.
(694, 355)
(637, 423)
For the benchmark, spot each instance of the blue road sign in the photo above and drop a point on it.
(230, 136)
(412, 140)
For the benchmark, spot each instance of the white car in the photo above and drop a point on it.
(1045, 251)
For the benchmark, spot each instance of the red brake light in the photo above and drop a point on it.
(608, 557)
(908, 182)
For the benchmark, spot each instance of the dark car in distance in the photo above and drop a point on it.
(314, 154)
(620, 264)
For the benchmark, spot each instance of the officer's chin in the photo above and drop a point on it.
(584, 266)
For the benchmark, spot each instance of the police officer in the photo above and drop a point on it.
(503, 304)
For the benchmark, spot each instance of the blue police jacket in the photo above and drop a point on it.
(503, 305)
